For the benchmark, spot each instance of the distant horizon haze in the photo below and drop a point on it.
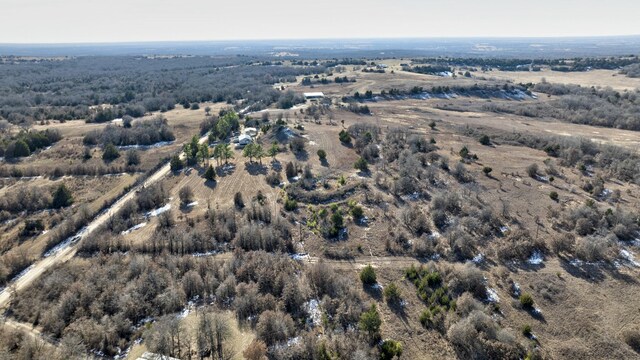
(144, 21)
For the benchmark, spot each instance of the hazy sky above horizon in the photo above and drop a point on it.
(49, 21)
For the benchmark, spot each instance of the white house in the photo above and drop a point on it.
(244, 140)
(251, 131)
(313, 95)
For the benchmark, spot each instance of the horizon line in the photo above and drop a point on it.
(488, 37)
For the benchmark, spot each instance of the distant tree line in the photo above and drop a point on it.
(518, 64)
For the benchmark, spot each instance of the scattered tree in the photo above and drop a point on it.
(110, 153)
(368, 275)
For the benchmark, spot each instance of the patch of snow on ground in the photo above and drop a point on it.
(208, 253)
(134, 228)
(411, 197)
(22, 273)
(478, 258)
(504, 229)
(312, 308)
(145, 147)
(158, 211)
(300, 257)
(192, 204)
(536, 258)
(377, 286)
(66, 243)
(628, 256)
(515, 287)
(492, 296)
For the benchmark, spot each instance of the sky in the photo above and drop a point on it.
(77, 21)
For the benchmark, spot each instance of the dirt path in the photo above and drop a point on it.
(69, 251)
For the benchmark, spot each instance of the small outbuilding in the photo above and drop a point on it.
(244, 140)
(251, 131)
(314, 95)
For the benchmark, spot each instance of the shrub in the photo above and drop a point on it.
(32, 227)
(526, 300)
(322, 155)
(257, 350)
(526, 330)
(464, 152)
(484, 140)
(186, 195)
(357, 212)
(110, 153)
(176, 163)
(297, 144)
(532, 170)
(290, 204)
(425, 318)
(210, 174)
(344, 137)
(290, 170)
(133, 158)
(194, 106)
(20, 149)
(368, 275)
(274, 327)
(61, 197)
(370, 321)
(361, 164)
(238, 201)
(392, 293)
(432, 125)
(273, 178)
(461, 174)
(632, 338)
(487, 170)
(553, 195)
(390, 349)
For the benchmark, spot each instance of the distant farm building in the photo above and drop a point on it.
(314, 95)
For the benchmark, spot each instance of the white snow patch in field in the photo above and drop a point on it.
(504, 229)
(300, 256)
(145, 147)
(628, 256)
(208, 253)
(313, 309)
(492, 296)
(516, 289)
(536, 258)
(192, 204)
(134, 228)
(478, 258)
(158, 211)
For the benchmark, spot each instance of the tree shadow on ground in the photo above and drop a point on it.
(225, 170)
(210, 184)
(302, 155)
(254, 168)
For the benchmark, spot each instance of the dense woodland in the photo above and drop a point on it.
(72, 88)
